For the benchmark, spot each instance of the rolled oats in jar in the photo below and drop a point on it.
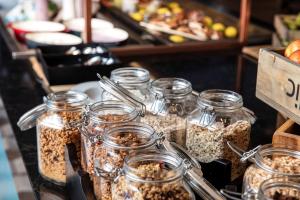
(117, 143)
(220, 117)
(99, 117)
(57, 123)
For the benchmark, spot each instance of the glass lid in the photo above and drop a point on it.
(111, 112)
(130, 76)
(121, 93)
(153, 166)
(64, 100)
(28, 120)
(130, 136)
(219, 99)
(171, 87)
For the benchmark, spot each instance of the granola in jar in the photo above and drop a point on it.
(52, 141)
(57, 123)
(254, 175)
(117, 144)
(271, 162)
(280, 188)
(102, 116)
(151, 178)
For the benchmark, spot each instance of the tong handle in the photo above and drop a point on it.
(22, 55)
(245, 155)
(231, 195)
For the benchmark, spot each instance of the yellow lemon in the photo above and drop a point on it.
(176, 38)
(208, 21)
(141, 11)
(177, 10)
(218, 27)
(173, 5)
(163, 11)
(136, 16)
(231, 32)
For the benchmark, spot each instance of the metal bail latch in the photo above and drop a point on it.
(113, 175)
(249, 154)
(158, 104)
(188, 165)
(160, 138)
(207, 117)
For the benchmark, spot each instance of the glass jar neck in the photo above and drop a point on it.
(265, 155)
(279, 187)
(220, 100)
(171, 88)
(66, 100)
(111, 112)
(154, 167)
(131, 78)
(130, 136)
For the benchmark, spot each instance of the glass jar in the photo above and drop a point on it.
(160, 175)
(269, 162)
(98, 117)
(152, 176)
(117, 143)
(279, 189)
(57, 123)
(220, 117)
(135, 80)
(168, 107)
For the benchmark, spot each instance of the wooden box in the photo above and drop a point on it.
(278, 82)
(288, 136)
(282, 29)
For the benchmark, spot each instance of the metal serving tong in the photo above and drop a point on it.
(245, 156)
(193, 176)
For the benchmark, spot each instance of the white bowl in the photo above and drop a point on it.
(91, 89)
(53, 39)
(108, 36)
(38, 26)
(78, 24)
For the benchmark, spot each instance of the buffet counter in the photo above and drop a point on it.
(20, 91)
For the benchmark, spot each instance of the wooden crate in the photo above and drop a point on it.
(278, 82)
(288, 135)
(282, 29)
